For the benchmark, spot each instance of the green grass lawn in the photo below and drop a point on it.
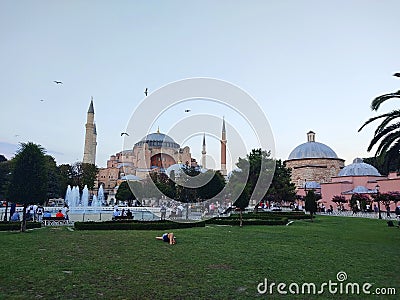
(215, 262)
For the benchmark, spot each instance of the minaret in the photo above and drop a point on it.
(203, 153)
(223, 149)
(89, 153)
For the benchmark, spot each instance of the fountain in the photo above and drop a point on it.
(100, 195)
(81, 209)
(85, 197)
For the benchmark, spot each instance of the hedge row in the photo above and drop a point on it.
(272, 215)
(8, 226)
(135, 225)
(233, 222)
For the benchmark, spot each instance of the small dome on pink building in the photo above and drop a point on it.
(359, 168)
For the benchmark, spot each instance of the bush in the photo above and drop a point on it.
(235, 221)
(135, 225)
(8, 226)
(267, 215)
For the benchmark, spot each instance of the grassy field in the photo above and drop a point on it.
(215, 262)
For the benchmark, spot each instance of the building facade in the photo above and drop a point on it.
(313, 162)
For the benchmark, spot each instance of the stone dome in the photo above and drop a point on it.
(359, 168)
(312, 149)
(158, 139)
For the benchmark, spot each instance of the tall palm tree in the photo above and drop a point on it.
(388, 132)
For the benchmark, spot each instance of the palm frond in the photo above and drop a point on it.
(380, 99)
(381, 134)
(373, 119)
(391, 116)
(387, 142)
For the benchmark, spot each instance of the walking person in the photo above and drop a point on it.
(388, 211)
(39, 213)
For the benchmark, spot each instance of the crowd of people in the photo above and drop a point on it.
(36, 213)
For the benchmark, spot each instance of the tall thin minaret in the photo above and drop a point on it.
(203, 153)
(89, 153)
(223, 149)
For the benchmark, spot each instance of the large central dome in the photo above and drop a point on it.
(158, 139)
(312, 149)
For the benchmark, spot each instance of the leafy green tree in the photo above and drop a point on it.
(252, 179)
(65, 171)
(387, 134)
(383, 164)
(6, 167)
(54, 187)
(282, 188)
(311, 203)
(362, 199)
(213, 187)
(5, 177)
(124, 193)
(339, 200)
(78, 174)
(29, 177)
(165, 186)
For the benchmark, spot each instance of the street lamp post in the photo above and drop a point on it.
(379, 203)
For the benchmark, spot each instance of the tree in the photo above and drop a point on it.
(79, 174)
(339, 200)
(5, 177)
(54, 187)
(29, 177)
(165, 186)
(359, 199)
(311, 203)
(383, 164)
(388, 131)
(282, 188)
(213, 187)
(252, 179)
(124, 193)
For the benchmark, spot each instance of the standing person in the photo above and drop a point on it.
(39, 213)
(34, 212)
(163, 211)
(65, 211)
(388, 211)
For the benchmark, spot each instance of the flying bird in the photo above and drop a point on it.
(41, 100)
(145, 91)
(122, 133)
(187, 110)
(396, 74)
(58, 82)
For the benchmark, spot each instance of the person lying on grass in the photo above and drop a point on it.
(168, 238)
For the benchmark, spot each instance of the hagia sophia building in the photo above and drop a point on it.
(314, 165)
(155, 152)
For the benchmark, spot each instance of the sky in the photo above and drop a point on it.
(309, 65)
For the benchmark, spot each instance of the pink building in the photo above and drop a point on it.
(356, 178)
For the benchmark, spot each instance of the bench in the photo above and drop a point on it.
(54, 221)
